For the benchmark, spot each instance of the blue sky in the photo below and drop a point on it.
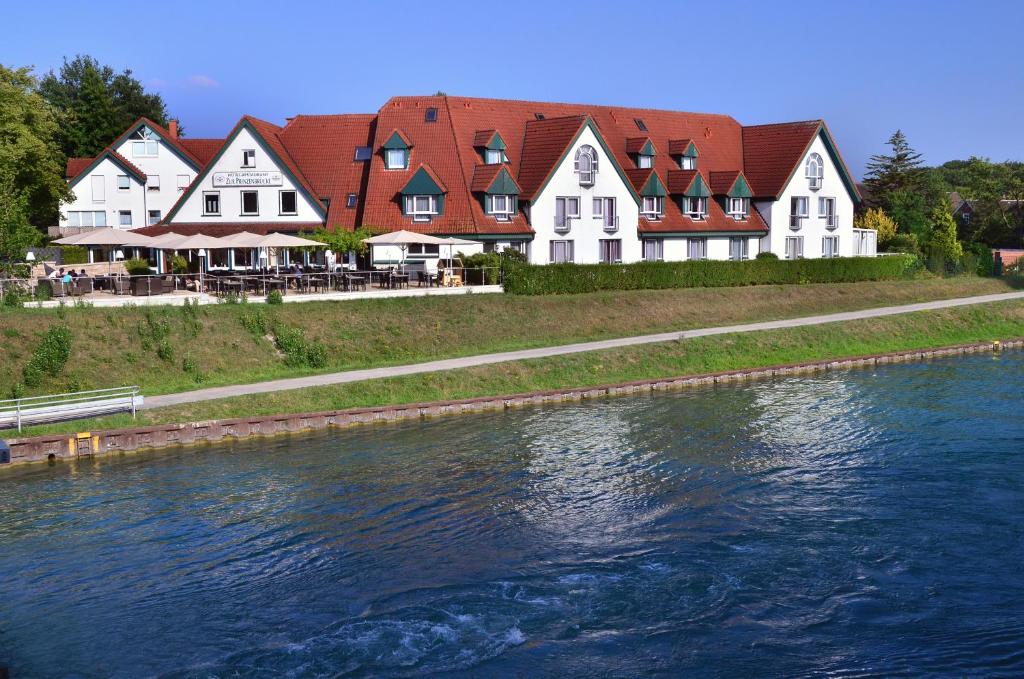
(950, 74)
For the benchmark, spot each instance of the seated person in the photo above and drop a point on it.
(65, 277)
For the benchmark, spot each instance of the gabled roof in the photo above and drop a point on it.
(489, 139)
(494, 179)
(203, 149)
(172, 143)
(646, 182)
(683, 147)
(423, 182)
(730, 183)
(76, 166)
(114, 156)
(267, 135)
(397, 140)
(640, 145)
(544, 144)
(773, 153)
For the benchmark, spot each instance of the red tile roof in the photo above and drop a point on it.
(544, 143)
(639, 176)
(483, 137)
(324, 147)
(680, 180)
(721, 183)
(77, 166)
(677, 147)
(636, 144)
(772, 153)
(218, 229)
(202, 149)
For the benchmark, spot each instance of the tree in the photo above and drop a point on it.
(875, 218)
(943, 247)
(31, 162)
(98, 104)
(16, 234)
(898, 171)
(342, 240)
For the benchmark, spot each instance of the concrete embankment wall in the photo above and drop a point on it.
(64, 446)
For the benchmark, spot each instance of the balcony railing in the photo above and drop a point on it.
(563, 223)
(796, 221)
(611, 223)
(831, 221)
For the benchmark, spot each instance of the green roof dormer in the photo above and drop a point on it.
(698, 188)
(503, 183)
(740, 188)
(397, 141)
(653, 187)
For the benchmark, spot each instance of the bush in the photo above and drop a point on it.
(527, 279)
(255, 321)
(13, 297)
(74, 254)
(179, 264)
(49, 356)
(481, 268)
(766, 255)
(904, 242)
(983, 262)
(137, 267)
(275, 297)
(297, 350)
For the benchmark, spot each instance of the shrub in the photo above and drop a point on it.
(904, 242)
(13, 297)
(165, 350)
(982, 254)
(74, 254)
(275, 297)
(297, 350)
(137, 267)
(528, 279)
(875, 218)
(179, 264)
(766, 255)
(49, 356)
(481, 268)
(255, 321)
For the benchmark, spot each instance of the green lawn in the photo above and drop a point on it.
(164, 349)
(988, 322)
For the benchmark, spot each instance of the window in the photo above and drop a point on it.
(183, 182)
(644, 161)
(424, 249)
(652, 207)
(696, 207)
(738, 208)
(494, 156)
(248, 157)
(501, 206)
(153, 182)
(654, 249)
(363, 153)
(288, 202)
(153, 217)
(538, 116)
(604, 209)
(87, 218)
(421, 207)
(123, 183)
(696, 248)
(124, 217)
(561, 251)
(144, 149)
(567, 208)
(827, 211)
(430, 115)
(250, 203)
(611, 251)
(351, 201)
(211, 202)
(739, 249)
(99, 186)
(794, 247)
(640, 124)
(395, 159)
(797, 211)
(586, 164)
(815, 171)
(687, 163)
(830, 246)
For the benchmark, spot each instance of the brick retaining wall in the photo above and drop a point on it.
(64, 446)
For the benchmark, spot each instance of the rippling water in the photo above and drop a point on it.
(860, 523)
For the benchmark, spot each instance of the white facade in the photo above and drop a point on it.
(245, 159)
(813, 229)
(103, 196)
(167, 174)
(587, 231)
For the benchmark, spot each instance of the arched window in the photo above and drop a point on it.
(815, 171)
(586, 164)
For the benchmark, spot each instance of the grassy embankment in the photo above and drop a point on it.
(725, 352)
(170, 349)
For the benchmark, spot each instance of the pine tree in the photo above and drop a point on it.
(898, 171)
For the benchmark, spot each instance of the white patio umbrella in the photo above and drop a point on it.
(72, 239)
(244, 239)
(452, 241)
(283, 240)
(164, 238)
(403, 239)
(108, 236)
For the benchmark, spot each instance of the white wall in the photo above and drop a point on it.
(391, 255)
(230, 197)
(167, 165)
(813, 228)
(134, 199)
(677, 249)
(586, 231)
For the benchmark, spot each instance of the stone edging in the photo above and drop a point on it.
(63, 446)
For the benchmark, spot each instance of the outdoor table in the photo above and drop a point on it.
(399, 280)
(352, 282)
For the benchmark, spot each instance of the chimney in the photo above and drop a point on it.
(172, 128)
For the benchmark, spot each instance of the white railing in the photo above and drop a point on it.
(796, 221)
(71, 406)
(831, 221)
(563, 224)
(611, 223)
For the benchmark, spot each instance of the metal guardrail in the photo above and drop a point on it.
(70, 406)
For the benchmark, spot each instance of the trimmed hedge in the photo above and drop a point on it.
(555, 279)
(73, 254)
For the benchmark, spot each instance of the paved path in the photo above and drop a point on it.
(561, 350)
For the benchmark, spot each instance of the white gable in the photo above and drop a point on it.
(166, 168)
(228, 177)
(109, 189)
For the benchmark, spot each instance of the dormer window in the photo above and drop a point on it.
(696, 207)
(494, 156)
(652, 207)
(146, 146)
(644, 161)
(422, 208)
(501, 206)
(687, 163)
(248, 157)
(396, 159)
(586, 165)
(815, 171)
(430, 115)
(738, 208)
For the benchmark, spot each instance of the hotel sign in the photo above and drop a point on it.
(247, 178)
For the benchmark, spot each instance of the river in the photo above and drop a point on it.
(852, 523)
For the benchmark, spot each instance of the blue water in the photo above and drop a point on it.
(855, 524)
